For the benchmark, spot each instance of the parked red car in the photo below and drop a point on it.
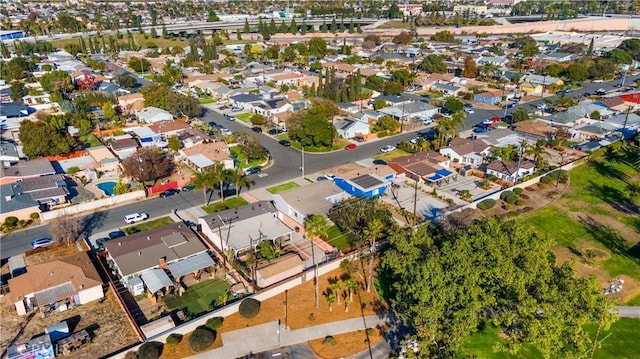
(350, 146)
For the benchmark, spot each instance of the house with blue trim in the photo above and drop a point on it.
(370, 182)
(490, 97)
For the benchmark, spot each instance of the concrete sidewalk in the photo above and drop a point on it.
(272, 335)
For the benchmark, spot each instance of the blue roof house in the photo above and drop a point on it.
(366, 185)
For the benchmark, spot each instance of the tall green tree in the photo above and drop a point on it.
(374, 231)
(500, 273)
(205, 181)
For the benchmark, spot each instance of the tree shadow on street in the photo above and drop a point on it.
(92, 221)
(610, 238)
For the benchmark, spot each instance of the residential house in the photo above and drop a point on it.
(272, 107)
(445, 89)
(395, 100)
(148, 137)
(131, 103)
(543, 80)
(340, 68)
(347, 128)
(112, 89)
(630, 121)
(410, 110)
(500, 137)
(153, 114)
(12, 113)
(59, 283)
(558, 57)
(281, 268)
(591, 131)
(191, 137)
(317, 198)
(510, 171)
(202, 156)
(221, 92)
(466, 151)
(615, 103)
(25, 169)
(124, 146)
(242, 229)
(107, 162)
(585, 109)
(428, 166)
(348, 107)
(8, 153)
(369, 115)
(14, 203)
(369, 182)
(531, 89)
(564, 119)
(83, 162)
(534, 130)
(169, 128)
(37, 100)
(499, 61)
(244, 101)
(149, 257)
(490, 97)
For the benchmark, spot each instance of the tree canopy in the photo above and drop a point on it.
(496, 272)
(312, 127)
(147, 165)
(45, 138)
(163, 97)
(433, 64)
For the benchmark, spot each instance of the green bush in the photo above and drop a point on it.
(148, 350)
(519, 202)
(329, 340)
(249, 308)
(174, 339)
(11, 221)
(486, 204)
(491, 177)
(382, 134)
(545, 180)
(214, 323)
(511, 198)
(506, 194)
(201, 339)
(34, 215)
(518, 191)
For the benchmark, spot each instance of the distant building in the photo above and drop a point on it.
(11, 34)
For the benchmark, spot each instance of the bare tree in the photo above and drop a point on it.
(147, 165)
(65, 229)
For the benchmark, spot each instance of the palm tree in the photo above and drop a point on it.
(240, 180)
(205, 181)
(347, 300)
(331, 298)
(488, 69)
(336, 287)
(316, 226)
(373, 231)
(536, 150)
(220, 174)
(351, 285)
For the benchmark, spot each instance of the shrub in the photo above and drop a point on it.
(545, 180)
(382, 134)
(214, 323)
(518, 191)
(524, 196)
(505, 194)
(491, 177)
(519, 202)
(329, 340)
(148, 350)
(486, 204)
(249, 308)
(174, 339)
(11, 221)
(34, 215)
(511, 198)
(201, 339)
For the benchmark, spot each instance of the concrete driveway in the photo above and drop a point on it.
(427, 206)
(469, 183)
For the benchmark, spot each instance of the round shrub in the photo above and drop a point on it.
(214, 323)
(201, 339)
(511, 198)
(545, 180)
(148, 350)
(518, 191)
(486, 204)
(519, 202)
(329, 340)
(505, 194)
(174, 339)
(11, 221)
(249, 308)
(34, 215)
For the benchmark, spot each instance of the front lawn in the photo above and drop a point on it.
(391, 155)
(233, 202)
(206, 100)
(91, 141)
(244, 117)
(241, 158)
(148, 225)
(199, 298)
(338, 239)
(283, 187)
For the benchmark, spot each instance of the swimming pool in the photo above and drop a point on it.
(107, 187)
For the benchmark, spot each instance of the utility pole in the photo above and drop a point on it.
(415, 202)
(315, 274)
(224, 257)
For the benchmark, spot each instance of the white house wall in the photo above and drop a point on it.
(90, 294)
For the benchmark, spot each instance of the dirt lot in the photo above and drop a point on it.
(105, 321)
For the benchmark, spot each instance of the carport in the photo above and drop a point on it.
(442, 175)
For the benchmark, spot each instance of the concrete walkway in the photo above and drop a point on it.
(272, 335)
(628, 312)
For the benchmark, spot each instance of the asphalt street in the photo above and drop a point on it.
(286, 165)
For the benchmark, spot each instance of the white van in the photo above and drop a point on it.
(135, 217)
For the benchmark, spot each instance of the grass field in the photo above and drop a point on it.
(283, 187)
(338, 239)
(244, 117)
(391, 155)
(199, 298)
(395, 25)
(206, 100)
(233, 202)
(241, 158)
(147, 225)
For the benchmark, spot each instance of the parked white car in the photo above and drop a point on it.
(469, 110)
(135, 217)
(387, 148)
(541, 106)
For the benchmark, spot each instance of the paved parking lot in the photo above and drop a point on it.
(469, 183)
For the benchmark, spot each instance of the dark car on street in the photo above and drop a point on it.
(188, 188)
(275, 131)
(169, 192)
(256, 129)
(285, 143)
(116, 234)
(252, 170)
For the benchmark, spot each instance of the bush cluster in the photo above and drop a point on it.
(509, 197)
(486, 204)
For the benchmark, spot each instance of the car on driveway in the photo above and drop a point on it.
(169, 192)
(330, 176)
(275, 131)
(379, 162)
(135, 217)
(256, 129)
(541, 106)
(226, 131)
(387, 148)
(285, 143)
(116, 234)
(252, 170)
(351, 146)
(41, 243)
(100, 243)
